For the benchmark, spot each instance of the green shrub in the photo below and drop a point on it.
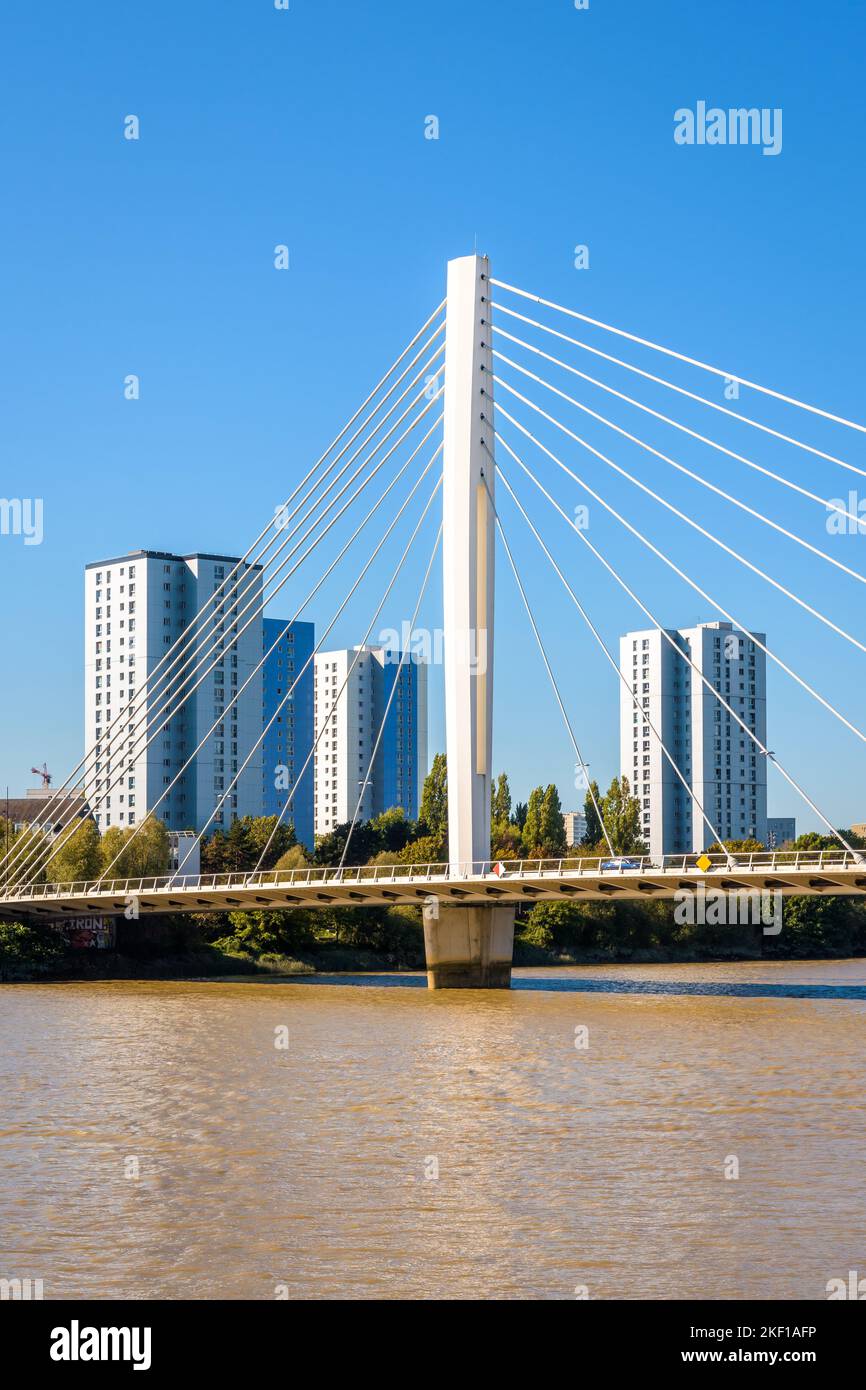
(27, 950)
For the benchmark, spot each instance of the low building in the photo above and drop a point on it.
(782, 829)
(575, 827)
(53, 811)
(184, 849)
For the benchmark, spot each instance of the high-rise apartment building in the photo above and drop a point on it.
(718, 760)
(349, 723)
(136, 607)
(288, 744)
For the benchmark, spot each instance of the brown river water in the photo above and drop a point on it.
(157, 1143)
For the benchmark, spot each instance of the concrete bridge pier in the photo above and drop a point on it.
(468, 947)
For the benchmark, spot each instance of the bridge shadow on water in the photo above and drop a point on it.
(564, 985)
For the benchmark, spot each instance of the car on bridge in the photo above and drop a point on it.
(618, 864)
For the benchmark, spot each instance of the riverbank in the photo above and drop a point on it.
(331, 940)
(26, 962)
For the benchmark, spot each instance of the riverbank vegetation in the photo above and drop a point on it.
(339, 939)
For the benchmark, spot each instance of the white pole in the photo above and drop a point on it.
(468, 559)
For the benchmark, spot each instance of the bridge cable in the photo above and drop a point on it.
(672, 386)
(670, 507)
(702, 438)
(681, 357)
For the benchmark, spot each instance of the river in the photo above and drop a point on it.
(159, 1141)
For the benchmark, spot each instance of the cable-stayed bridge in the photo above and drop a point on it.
(478, 391)
(634, 877)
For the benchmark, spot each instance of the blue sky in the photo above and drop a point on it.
(306, 127)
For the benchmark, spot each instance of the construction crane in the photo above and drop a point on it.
(44, 774)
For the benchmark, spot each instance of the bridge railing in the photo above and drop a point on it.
(320, 877)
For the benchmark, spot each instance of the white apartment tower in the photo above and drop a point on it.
(136, 607)
(722, 765)
(349, 723)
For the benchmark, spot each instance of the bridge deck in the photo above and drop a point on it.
(825, 872)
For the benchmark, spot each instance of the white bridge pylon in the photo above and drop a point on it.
(468, 558)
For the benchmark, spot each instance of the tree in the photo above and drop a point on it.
(500, 800)
(79, 857)
(294, 858)
(817, 926)
(213, 853)
(363, 844)
(429, 849)
(506, 841)
(154, 848)
(552, 824)
(621, 815)
(28, 950)
(593, 832)
(26, 848)
(434, 798)
(812, 840)
(520, 811)
(392, 829)
(239, 847)
(259, 831)
(737, 847)
(145, 854)
(532, 847)
(555, 926)
(269, 933)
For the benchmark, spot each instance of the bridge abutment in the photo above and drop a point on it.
(469, 947)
